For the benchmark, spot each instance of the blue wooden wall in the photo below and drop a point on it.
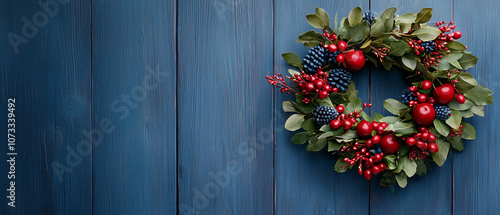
(161, 107)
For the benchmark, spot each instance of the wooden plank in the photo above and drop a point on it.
(134, 94)
(49, 76)
(430, 194)
(306, 183)
(225, 107)
(475, 177)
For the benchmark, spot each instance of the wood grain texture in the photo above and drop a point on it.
(134, 92)
(476, 188)
(49, 77)
(225, 107)
(306, 182)
(432, 193)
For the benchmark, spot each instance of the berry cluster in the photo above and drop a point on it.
(323, 115)
(331, 57)
(314, 60)
(422, 144)
(316, 84)
(279, 82)
(442, 112)
(458, 131)
(369, 17)
(340, 78)
(429, 46)
(346, 121)
(371, 162)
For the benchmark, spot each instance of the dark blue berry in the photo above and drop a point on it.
(376, 149)
(429, 46)
(322, 115)
(443, 112)
(408, 96)
(369, 17)
(339, 78)
(315, 58)
(331, 57)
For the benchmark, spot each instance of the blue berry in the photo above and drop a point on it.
(369, 17)
(376, 149)
(443, 112)
(322, 115)
(408, 96)
(429, 46)
(331, 57)
(339, 78)
(315, 58)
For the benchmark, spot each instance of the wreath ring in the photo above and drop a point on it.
(427, 121)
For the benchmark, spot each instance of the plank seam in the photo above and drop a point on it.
(176, 21)
(274, 110)
(371, 112)
(91, 105)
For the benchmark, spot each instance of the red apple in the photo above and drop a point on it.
(355, 60)
(364, 128)
(444, 94)
(423, 114)
(389, 144)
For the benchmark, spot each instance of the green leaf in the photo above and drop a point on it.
(323, 15)
(387, 179)
(401, 179)
(377, 28)
(352, 92)
(454, 45)
(421, 168)
(288, 106)
(348, 136)
(478, 110)
(457, 142)
(325, 102)
(316, 145)
(442, 128)
(366, 116)
(405, 21)
(410, 63)
(333, 145)
(426, 33)
(399, 48)
(310, 39)
(293, 59)
(394, 106)
(468, 61)
(294, 122)
(358, 32)
(469, 131)
(377, 116)
(466, 113)
(309, 124)
(292, 72)
(424, 15)
(403, 128)
(355, 16)
(466, 82)
(390, 160)
(480, 95)
(353, 105)
(341, 163)
(410, 167)
(388, 16)
(300, 138)
(389, 119)
(457, 106)
(455, 119)
(315, 21)
(440, 156)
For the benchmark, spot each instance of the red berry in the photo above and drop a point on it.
(369, 143)
(309, 87)
(377, 158)
(376, 170)
(347, 124)
(364, 128)
(425, 136)
(423, 114)
(342, 46)
(340, 109)
(360, 171)
(411, 141)
(432, 138)
(368, 174)
(375, 124)
(332, 48)
(323, 94)
(376, 139)
(319, 84)
(422, 129)
(382, 166)
(444, 94)
(384, 125)
(426, 85)
(355, 60)
(460, 98)
(340, 58)
(422, 98)
(457, 35)
(389, 144)
(328, 88)
(335, 124)
(433, 148)
(353, 120)
(420, 144)
(413, 88)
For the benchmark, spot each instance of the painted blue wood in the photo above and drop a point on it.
(225, 107)
(476, 187)
(306, 182)
(49, 77)
(133, 106)
(432, 193)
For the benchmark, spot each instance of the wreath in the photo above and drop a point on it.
(429, 117)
